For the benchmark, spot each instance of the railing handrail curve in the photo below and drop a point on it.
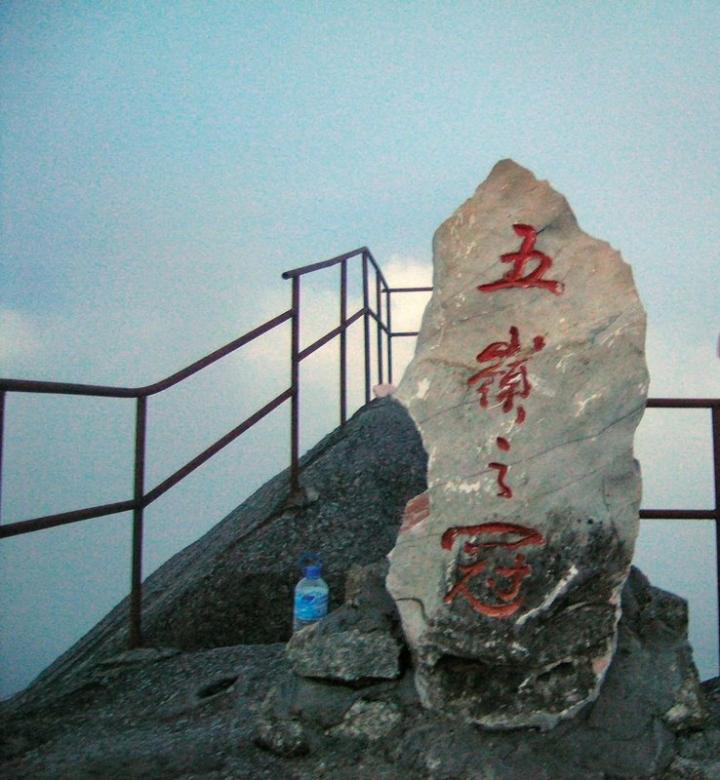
(112, 391)
(307, 269)
(384, 334)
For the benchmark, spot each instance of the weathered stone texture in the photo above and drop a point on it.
(527, 385)
(626, 733)
(360, 641)
(242, 712)
(351, 652)
(235, 584)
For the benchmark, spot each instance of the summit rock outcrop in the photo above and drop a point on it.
(527, 384)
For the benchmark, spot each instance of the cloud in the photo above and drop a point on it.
(683, 361)
(268, 356)
(20, 339)
(407, 271)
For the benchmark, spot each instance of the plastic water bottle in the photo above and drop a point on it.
(311, 594)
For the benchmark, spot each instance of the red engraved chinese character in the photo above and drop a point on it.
(514, 277)
(503, 443)
(502, 469)
(513, 377)
(497, 595)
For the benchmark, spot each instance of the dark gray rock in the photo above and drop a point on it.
(240, 712)
(358, 642)
(162, 717)
(235, 584)
(698, 751)
(279, 730)
(368, 720)
(341, 648)
(650, 706)
(686, 769)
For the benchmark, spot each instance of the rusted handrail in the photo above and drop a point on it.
(713, 404)
(297, 355)
(384, 359)
(362, 250)
(307, 269)
(139, 393)
(142, 498)
(65, 388)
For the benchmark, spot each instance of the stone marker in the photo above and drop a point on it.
(527, 385)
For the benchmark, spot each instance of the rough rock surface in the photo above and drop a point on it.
(239, 712)
(650, 706)
(527, 385)
(235, 584)
(184, 715)
(359, 641)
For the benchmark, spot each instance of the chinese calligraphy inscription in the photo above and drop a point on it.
(527, 253)
(526, 386)
(506, 364)
(504, 580)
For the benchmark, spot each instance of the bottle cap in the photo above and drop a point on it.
(311, 565)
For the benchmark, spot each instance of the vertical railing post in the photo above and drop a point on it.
(343, 342)
(135, 633)
(378, 321)
(389, 335)
(366, 324)
(715, 412)
(2, 442)
(295, 388)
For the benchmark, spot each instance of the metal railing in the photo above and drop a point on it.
(142, 498)
(384, 336)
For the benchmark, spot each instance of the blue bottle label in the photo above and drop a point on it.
(311, 606)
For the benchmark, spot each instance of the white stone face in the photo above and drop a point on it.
(527, 385)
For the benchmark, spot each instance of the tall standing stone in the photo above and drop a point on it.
(527, 385)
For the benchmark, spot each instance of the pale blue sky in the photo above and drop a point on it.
(163, 163)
